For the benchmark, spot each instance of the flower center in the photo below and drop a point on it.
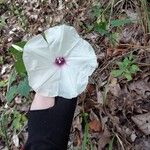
(59, 61)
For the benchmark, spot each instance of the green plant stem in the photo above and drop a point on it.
(85, 136)
(3, 126)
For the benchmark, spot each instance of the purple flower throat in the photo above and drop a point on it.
(60, 61)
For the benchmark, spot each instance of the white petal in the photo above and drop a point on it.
(52, 34)
(36, 53)
(68, 82)
(83, 77)
(38, 78)
(63, 37)
(83, 62)
(34, 62)
(74, 80)
(51, 86)
(69, 38)
(38, 47)
(82, 54)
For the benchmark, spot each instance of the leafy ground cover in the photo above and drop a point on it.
(114, 111)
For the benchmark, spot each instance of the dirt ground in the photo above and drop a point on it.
(113, 113)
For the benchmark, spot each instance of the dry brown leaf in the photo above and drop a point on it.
(142, 144)
(77, 138)
(90, 104)
(115, 51)
(95, 126)
(114, 87)
(90, 88)
(141, 87)
(100, 98)
(104, 139)
(143, 122)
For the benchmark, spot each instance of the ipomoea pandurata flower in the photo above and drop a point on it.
(59, 62)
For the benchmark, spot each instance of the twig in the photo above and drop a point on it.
(114, 59)
(60, 5)
(120, 141)
(143, 64)
(136, 46)
(111, 12)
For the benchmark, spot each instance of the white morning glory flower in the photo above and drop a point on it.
(59, 62)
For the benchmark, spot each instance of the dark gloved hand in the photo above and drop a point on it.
(49, 129)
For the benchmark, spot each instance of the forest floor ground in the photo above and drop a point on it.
(114, 111)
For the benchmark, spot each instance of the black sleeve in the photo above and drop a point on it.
(48, 129)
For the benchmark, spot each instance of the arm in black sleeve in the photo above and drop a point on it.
(49, 129)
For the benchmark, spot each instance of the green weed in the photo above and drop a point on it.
(2, 22)
(3, 127)
(110, 146)
(18, 120)
(126, 68)
(12, 119)
(104, 22)
(17, 84)
(22, 88)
